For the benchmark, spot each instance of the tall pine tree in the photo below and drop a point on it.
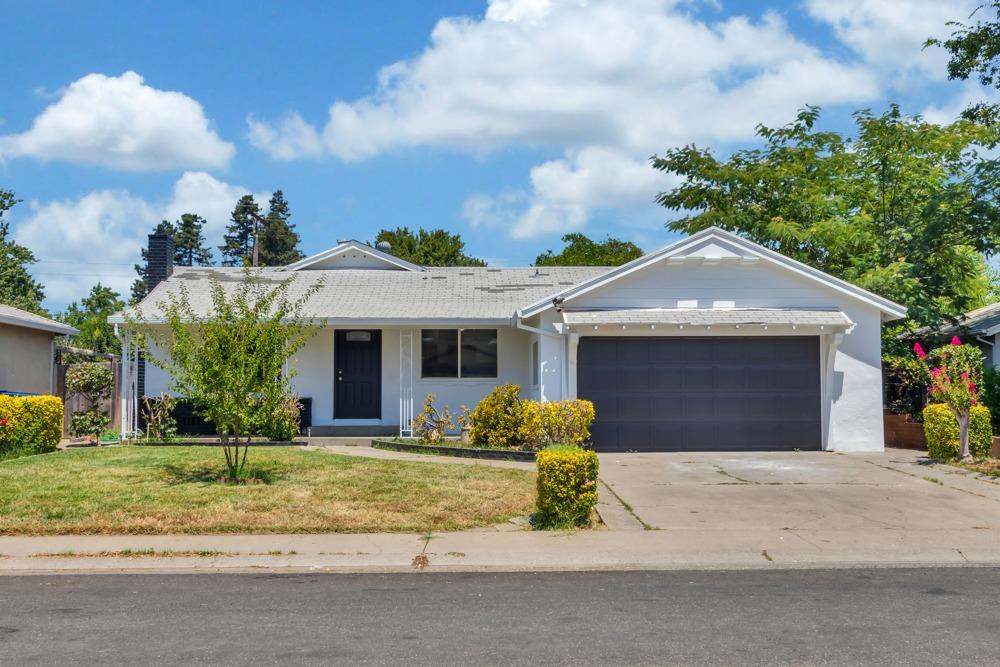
(237, 242)
(189, 241)
(278, 240)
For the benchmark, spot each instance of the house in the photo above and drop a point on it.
(710, 343)
(27, 351)
(979, 327)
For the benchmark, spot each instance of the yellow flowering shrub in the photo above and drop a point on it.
(941, 431)
(29, 424)
(567, 486)
(503, 420)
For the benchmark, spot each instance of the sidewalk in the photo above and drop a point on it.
(499, 551)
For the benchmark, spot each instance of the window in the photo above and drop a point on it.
(535, 370)
(450, 353)
(479, 353)
(439, 353)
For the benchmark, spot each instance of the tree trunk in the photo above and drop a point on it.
(963, 434)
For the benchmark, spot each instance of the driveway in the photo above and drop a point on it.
(815, 496)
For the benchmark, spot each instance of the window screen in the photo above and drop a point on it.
(479, 353)
(439, 353)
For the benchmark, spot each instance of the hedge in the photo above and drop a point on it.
(567, 486)
(503, 420)
(29, 425)
(941, 431)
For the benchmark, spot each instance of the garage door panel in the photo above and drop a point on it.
(697, 378)
(665, 380)
(698, 349)
(633, 379)
(713, 394)
(670, 351)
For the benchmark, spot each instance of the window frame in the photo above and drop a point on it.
(458, 368)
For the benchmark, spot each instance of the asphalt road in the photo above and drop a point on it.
(904, 617)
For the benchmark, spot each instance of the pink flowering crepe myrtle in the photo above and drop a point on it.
(954, 371)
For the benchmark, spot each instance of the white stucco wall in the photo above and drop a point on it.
(853, 397)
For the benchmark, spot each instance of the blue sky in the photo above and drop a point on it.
(511, 122)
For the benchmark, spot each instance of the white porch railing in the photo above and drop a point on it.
(405, 383)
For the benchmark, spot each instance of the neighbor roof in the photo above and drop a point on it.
(457, 294)
(22, 318)
(983, 321)
(889, 309)
(709, 316)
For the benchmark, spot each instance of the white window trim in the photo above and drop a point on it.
(458, 370)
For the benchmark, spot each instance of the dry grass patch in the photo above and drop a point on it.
(985, 466)
(160, 490)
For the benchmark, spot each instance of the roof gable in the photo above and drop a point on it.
(716, 246)
(352, 255)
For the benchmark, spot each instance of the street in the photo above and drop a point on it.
(849, 616)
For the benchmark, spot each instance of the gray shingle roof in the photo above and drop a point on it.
(979, 322)
(460, 293)
(707, 316)
(22, 318)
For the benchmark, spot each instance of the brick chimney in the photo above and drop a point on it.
(159, 259)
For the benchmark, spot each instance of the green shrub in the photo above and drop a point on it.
(941, 431)
(29, 425)
(567, 486)
(497, 421)
(285, 419)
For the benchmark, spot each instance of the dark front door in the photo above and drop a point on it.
(358, 369)
(702, 394)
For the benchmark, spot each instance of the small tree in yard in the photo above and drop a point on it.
(956, 373)
(92, 381)
(231, 361)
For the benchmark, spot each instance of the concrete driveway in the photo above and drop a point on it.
(815, 496)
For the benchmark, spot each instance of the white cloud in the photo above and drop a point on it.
(603, 82)
(890, 35)
(121, 123)
(97, 237)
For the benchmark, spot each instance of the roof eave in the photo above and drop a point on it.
(890, 308)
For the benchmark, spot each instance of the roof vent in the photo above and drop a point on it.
(384, 246)
(342, 241)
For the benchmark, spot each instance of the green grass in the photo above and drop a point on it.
(163, 490)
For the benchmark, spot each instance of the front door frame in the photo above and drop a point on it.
(338, 350)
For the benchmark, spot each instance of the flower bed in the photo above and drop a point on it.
(455, 449)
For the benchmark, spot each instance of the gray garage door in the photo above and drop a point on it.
(702, 394)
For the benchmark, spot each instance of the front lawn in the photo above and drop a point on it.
(158, 490)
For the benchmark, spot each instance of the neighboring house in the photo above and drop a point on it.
(711, 343)
(27, 351)
(979, 327)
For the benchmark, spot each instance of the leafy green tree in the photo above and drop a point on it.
(17, 287)
(189, 241)
(237, 242)
(583, 251)
(974, 51)
(905, 209)
(231, 360)
(433, 247)
(279, 242)
(90, 317)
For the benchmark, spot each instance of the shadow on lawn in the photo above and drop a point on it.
(177, 474)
